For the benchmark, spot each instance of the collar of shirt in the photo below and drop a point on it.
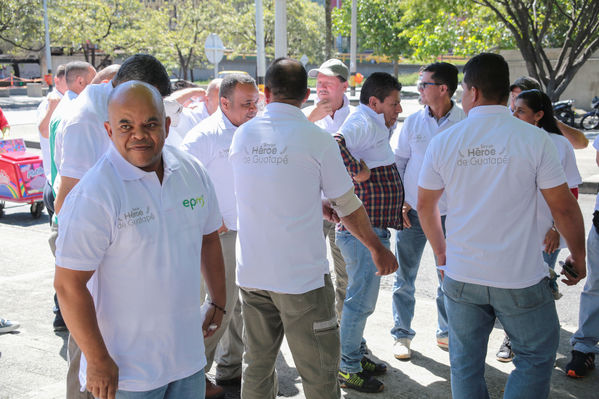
(70, 94)
(223, 122)
(450, 115)
(276, 108)
(127, 171)
(482, 110)
(379, 119)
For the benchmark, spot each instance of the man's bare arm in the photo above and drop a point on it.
(574, 136)
(44, 125)
(184, 95)
(358, 223)
(430, 220)
(213, 271)
(569, 222)
(63, 185)
(77, 308)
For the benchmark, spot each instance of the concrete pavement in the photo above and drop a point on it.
(32, 360)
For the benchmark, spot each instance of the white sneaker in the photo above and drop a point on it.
(7, 325)
(401, 348)
(443, 342)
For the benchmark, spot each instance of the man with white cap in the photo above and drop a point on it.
(330, 110)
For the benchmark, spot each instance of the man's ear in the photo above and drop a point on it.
(373, 102)
(224, 103)
(108, 129)
(167, 126)
(307, 95)
(267, 95)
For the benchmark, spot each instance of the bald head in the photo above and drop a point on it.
(106, 74)
(137, 124)
(212, 95)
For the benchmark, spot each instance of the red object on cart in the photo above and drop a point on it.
(21, 176)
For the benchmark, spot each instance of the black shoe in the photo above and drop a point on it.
(360, 382)
(505, 353)
(580, 364)
(371, 368)
(59, 324)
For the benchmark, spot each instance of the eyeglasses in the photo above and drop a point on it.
(422, 85)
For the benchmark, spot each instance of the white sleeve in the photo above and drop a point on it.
(215, 220)
(80, 147)
(430, 178)
(400, 141)
(334, 179)
(550, 172)
(572, 175)
(84, 233)
(355, 133)
(197, 145)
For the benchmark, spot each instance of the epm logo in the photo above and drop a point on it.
(194, 202)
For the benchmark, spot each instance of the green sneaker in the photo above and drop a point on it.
(371, 368)
(360, 382)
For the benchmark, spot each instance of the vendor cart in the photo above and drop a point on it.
(21, 176)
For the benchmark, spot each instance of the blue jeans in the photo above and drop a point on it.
(528, 317)
(408, 250)
(192, 387)
(586, 337)
(361, 296)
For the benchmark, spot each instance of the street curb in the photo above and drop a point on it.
(588, 187)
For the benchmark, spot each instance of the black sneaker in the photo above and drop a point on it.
(505, 353)
(580, 364)
(360, 382)
(371, 368)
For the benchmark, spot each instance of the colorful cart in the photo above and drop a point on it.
(21, 176)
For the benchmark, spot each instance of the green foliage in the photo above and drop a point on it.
(21, 26)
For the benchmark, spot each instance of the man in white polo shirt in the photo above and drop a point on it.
(490, 167)
(140, 223)
(84, 141)
(437, 84)
(331, 109)
(209, 142)
(282, 163)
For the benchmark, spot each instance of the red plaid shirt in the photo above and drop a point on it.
(382, 194)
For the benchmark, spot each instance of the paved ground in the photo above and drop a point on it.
(32, 360)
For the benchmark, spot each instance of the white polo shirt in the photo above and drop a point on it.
(44, 142)
(409, 146)
(332, 124)
(281, 163)
(209, 142)
(596, 146)
(144, 242)
(567, 159)
(491, 166)
(85, 139)
(367, 137)
(62, 111)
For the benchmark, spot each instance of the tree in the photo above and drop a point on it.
(572, 25)
(328, 36)
(379, 27)
(21, 26)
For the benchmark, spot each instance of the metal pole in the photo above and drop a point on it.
(280, 28)
(260, 56)
(48, 52)
(353, 46)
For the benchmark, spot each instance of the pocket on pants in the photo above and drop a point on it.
(452, 289)
(326, 334)
(533, 296)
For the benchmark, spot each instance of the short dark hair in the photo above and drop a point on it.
(227, 86)
(490, 74)
(537, 101)
(444, 73)
(379, 85)
(61, 70)
(75, 69)
(145, 68)
(287, 79)
(525, 83)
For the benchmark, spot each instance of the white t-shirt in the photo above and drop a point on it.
(596, 146)
(332, 124)
(409, 146)
(567, 159)
(144, 242)
(491, 166)
(367, 137)
(62, 111)
(84, 138)
(281, 163)
(177, 133)
(44, 142)
(209, 142)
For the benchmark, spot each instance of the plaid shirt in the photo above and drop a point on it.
(382, 194)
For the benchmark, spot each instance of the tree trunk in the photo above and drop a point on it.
(328, 38)
(395, 68)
